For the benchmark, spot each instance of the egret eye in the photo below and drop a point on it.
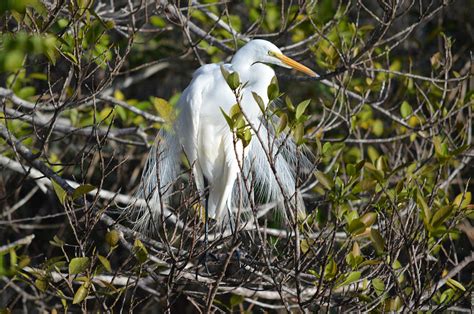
(271, 53)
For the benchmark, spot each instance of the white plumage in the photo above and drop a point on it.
(203, 135)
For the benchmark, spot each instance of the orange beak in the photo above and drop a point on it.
(295, 65)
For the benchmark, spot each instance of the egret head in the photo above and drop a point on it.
(259, 50)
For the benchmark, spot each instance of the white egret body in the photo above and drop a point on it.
(206, 139)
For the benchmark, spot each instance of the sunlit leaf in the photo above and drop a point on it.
(351, 278)
(441, 214)
(379, 286)
(112, 238)
(300, 109)
(105, 262)
(82, 190)
(405, 109)
(81, 293)
(141, 253)
(60, 192)
(78, 265)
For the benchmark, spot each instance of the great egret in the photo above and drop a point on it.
(202, 133)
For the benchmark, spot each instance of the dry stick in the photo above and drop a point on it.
(23, 241)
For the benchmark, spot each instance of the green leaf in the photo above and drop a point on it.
(382, 164)
(157, 21)
(356, 227)
(352, 277)
(377, 240)
(259, 101)
(78, 265)
(246, 137)
(441, 148)
(57, 242)
(330, 270)
(112, 238)
(41, 284)
(393, 304)
(350, 169)
(446, 296)
(462, 200)
(355, 249)
(372, 153)
(105, 262)
(224, 72)
(229, 120)
(233, 80)
(377, 127)
(71, 57)
(140, 251)
(369, 218)
(273, 91)
(82, 190)
(282, 123)
(26, 92)
(324, 180)
(299, 134)
(379, 286)
(60, 192)
(289, 104)
(300, 109)
(455, 284)
(14, 60)
(374, 172)
(81, 293)
(364, 186)
(441, 214)
(236, 299)
(326, 148)
(420, 200)
(405, 109)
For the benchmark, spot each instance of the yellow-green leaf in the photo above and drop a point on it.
(82, 190)
(60, 192)
(105, 262)
(440, 215)
(81, 293)
(352, 277)
(324, 180)
(140, 251)
(41, 284)
(356, 227)
(462, 200)
(283, 123)
(455, 284)
(379, 286)
(259, 101)
(300, 109)
(377, 240)
(299, 133)
(78, 265)
(405, 109)
(112, 238)
(233, 80)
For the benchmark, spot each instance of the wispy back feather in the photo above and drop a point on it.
(159, 175)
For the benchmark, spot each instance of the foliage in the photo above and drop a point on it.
(86, 84)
